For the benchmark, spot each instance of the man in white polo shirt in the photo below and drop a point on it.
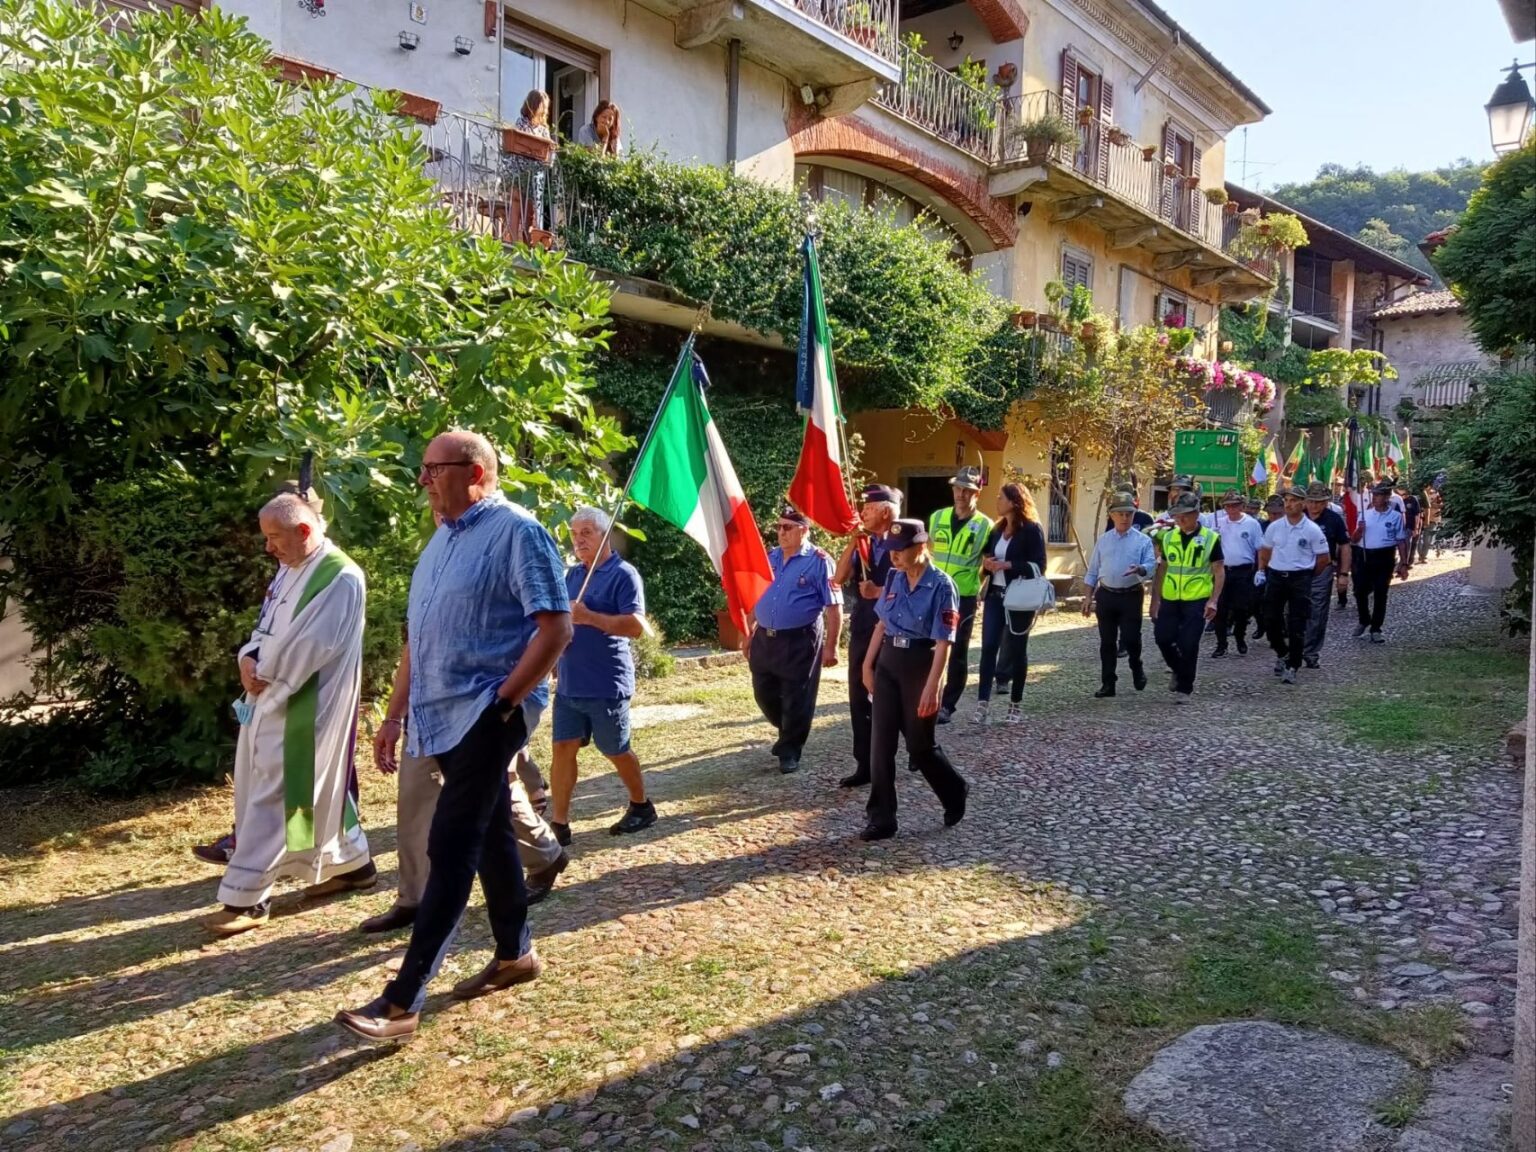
(1241, 537)
(1381, 547)
(1294, 552)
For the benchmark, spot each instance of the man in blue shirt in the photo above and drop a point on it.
(597, 674)
(488, 617)
(919, 611)
(795, 629)
(1118, 570)
(1381, 547)
(865, 564)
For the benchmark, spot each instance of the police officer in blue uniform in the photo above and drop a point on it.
(919, 611)
(864, 566)
(796, 626)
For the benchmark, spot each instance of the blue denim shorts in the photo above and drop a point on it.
(606, 722)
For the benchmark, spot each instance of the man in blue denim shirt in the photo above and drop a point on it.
(488, 618)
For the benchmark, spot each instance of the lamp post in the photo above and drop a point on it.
(1510, 110)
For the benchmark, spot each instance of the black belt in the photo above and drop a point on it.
(786, 631)
(908, 642)
(1292, 571)
(1122, 591)
(1238, 567)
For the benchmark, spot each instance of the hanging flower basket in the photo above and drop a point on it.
(1085, 114)
(1231, 208)
(1170, 169)
(1217, 195)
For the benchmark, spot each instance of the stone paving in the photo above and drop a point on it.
(752, 977)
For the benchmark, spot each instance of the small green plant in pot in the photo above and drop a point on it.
(1043, 133)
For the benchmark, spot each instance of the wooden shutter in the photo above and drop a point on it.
(1170, 147)
(1069, 85)
(1105, 118)
(1076, 270)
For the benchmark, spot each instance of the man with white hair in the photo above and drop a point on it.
(865, 564)
(596, 674)
(302, 672)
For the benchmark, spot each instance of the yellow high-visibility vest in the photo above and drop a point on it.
(1188, 575)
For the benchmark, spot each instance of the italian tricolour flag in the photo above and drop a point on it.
(684, 475)
(818, 488)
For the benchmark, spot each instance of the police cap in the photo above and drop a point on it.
(880, 494)
(906, 533)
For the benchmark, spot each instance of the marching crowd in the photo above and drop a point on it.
(494, 611)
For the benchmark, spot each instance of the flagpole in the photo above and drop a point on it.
(618, 506)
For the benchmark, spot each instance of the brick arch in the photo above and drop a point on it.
(965, 191)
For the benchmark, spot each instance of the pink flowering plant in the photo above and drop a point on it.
(1224, 375)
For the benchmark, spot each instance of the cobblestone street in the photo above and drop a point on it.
(748, 975)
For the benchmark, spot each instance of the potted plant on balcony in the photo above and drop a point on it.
(1024, 318)
(859, 23)
(1149, 153)
(536, 148)
(1005, 76)
(1191, 183)
(1085, 113)
(1042, 134)
(1118, 136)
(1170, 169)
(1217, 195)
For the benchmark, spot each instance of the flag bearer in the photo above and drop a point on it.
(1186, 591)
(865, 564)
(919, 613)
(797, 622)
(957, 536)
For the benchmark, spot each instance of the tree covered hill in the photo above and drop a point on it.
(1391, 211)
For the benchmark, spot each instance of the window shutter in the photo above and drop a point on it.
(1069, 85)
(1105, 119)
(1169, 149)
(1076, 270)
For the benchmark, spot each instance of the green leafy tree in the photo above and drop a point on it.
(203, 274)
(1490, 258)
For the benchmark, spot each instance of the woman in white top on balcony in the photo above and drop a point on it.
(603, 132)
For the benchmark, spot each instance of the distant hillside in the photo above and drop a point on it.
(1391, 211)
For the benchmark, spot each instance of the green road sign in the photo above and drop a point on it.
(1210, 455)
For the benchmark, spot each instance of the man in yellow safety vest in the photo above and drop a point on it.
(1184, 594)
(956, 536)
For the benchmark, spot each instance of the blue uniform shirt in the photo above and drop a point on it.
(475, 590)
(802, 586)
(930, 611)
(876, 571)
(596, 665)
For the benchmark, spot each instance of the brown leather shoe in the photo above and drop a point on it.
(230, 921)
(357, 880)
(500, 974)
(379, 1020)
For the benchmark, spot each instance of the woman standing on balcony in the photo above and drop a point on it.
(1014, 544)
(528, 176)
(603, 132)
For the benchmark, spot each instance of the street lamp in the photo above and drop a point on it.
(1510, 110)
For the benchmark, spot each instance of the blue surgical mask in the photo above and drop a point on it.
(244, 710)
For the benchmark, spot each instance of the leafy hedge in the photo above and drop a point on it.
(909, 326)
(203, 278)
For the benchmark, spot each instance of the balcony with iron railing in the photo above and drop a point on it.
(1130, 191)
(823, 43)
(1310, 301)
(943, 105)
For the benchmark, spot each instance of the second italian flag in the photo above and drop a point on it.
(684, 475)
(818, 488)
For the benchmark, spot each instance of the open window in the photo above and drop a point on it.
(532, 58)
(1059, 528)
(1172, 311)
(1087, 100)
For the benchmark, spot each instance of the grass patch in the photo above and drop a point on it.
(1399, 1111)
(1063, 1110)
(1425, 701)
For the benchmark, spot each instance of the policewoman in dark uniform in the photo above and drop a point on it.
(919, 611)
(797, 623)
(865, 564)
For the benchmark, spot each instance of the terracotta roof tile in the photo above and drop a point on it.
(1419, 304)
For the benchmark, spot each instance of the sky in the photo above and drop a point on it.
(1387, 83)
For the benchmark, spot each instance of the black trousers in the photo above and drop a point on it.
(1118, 611)
(786, 676)
(1179, 626)
(1235, 606)
(1288, 597)
(900, 674)
(860, 710)
(471, 832)
(1373, 577)
(959, 655)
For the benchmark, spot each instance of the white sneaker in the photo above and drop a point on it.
(1015, 715)
(980, 715)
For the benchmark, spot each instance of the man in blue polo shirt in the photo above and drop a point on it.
(796, 626)
(597, 674)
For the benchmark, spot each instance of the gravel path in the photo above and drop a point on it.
(749, 976)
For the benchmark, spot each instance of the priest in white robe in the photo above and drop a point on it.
(302, 673)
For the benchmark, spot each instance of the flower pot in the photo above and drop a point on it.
(1037, 149)
(1047, 322)
(1085, 115)
(1191, 183)
(1006, 74)
(1170, 169)
(726, 632)
(515, 143)
(1149, 154)
(1024, 318)
(1231, 208)
(1088, 332)
(1119, 137)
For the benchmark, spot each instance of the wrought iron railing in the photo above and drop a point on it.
(869, 23)
(938, 101)
(1107, 157)
(1315, 302)
(499, 182)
